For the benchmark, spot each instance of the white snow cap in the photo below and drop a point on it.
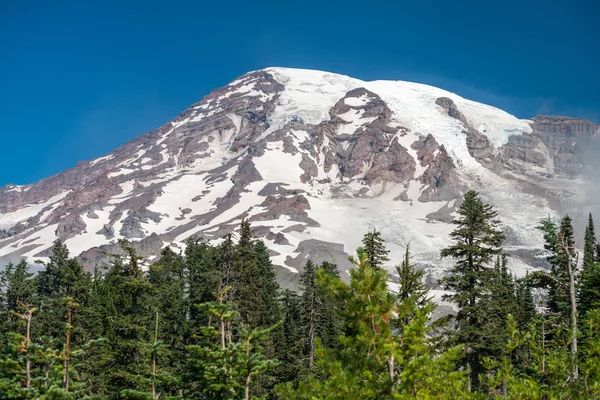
(310, 94)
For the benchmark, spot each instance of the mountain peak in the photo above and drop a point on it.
(299, 152)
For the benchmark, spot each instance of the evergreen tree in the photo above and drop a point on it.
(411, 290)
(589, 247)
(371, 362)
(561, 282)
(17, 286)
(222, 368)
(330, 323)
(62, 278)
(310, 306)
(168, 279)
(319, 312)
(588, 295)
(498, 301)
(292, 367)
(247, 281)
(201, 266)
(127, 318)
(477, 241)
(374, 247)
(526, 310)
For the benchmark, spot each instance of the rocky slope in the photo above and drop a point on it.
(314, 160)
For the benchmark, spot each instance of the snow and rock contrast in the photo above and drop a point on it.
(313, 160)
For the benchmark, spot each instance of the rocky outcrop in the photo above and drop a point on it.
(300, 155)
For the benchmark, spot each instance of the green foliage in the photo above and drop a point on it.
(17, 285)
(221, 367)
(588, 295)
(372, 362)
(477, 240)
(374, 247)
(211, 322)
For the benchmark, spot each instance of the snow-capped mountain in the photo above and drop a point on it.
(313, 160)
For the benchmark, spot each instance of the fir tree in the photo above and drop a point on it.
(168, 279)
(62, 277)
(17, 286)
(477, 241)
(310, 306)
(526, 310)
(561, 282)
(411, 290)
(588, 295)
(330, 323)
(374, 247)
(223, 368)
(372, 363)
(292, 366)
(127, 318)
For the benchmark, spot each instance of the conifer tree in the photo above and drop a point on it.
(127, 318)
(477, 240)
(17, 286)
(310, 306)
(223, 368)
(169, 280)
(498, 301)
(201, 266)
(371, 362)
(588, 295)
(411, 290)
(374, 247)
(330, 323)
(526, 309)
(292, 366)
(62, 277)
(247, 281)
(561, 282)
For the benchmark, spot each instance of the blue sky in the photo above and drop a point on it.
(80, 78)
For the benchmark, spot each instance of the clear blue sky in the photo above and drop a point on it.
(79, 78)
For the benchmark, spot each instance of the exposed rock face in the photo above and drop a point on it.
(313, 160)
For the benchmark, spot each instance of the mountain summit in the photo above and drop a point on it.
(313, 160)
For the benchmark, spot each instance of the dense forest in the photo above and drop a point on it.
(212, 323)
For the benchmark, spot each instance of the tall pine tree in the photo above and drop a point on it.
(477, 240)
(374, 247)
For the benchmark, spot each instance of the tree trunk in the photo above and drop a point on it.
(67, 349)
(153, 383)
(311, 333)
(27, 344)
(573, 300)
(564, 245)
(249, 376)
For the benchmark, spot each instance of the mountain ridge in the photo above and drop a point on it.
(347, 146)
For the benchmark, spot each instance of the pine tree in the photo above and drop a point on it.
(374, 247)
(223, 368)
(498, 301)
(247, 281)
(590, 243)
(588, 295)
(526, 310)
(477, 241)
(201, 266)
(310, 306)
(169, 279)
(292, 367)
(127, 318)
(62, 278)
(329, 322)
(17, 285)
(373, 363)
(561, 282)
(411, 290)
